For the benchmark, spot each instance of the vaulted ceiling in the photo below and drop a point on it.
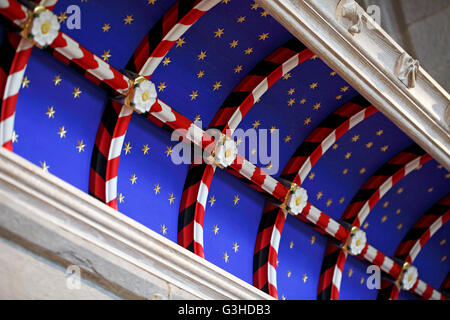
(225, 55)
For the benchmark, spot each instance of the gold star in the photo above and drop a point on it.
(385, 204)
(443, 258)
(291, 91)
(248, 50)
(362, 280)
(362, 171)
(339, 97)
(398, 211)
(430, 189)
(348, 155)
(200, 74)
(291, 244)
(241, 19)
(80, 146)
(226, 257)
(263, 36)
(171, 198)
(287, 76)
(106, 27)
(333, 73)
(157, 189)
(235, 247)
(283, 297)
(291, 102)
(202, 55)
(307, 121)
(168, 151)
(369, 145)
(163, 229)
(236, 200)
(234, 44)
(335, 146)
(166, 61)
(341, 200)
(314, 57)
(289, 274)
(44, 166)
(217, 85)
(145, 149)
(218, 33)
(152, 2)
(313, 85)
(253, 151)
(443, 241)
(316, 106)
(254, 6)
(313, 239)
(106, 55)
(50, 112)
(212, 200)
(305, 278)
(350, 273)
(312, 175)
(366, 225)
(272, 129)
(25, 82)
(128, 19)
(57, 80)
(287, 139)
(379, 132)
(384, 148)
(133, 179)
(62, 17)
(345, 171)
(256, 124)
(127, 148)
(15, 137)
(194, 95)
(355, 138)
(225, 1)
(329, 202)
(162, 86)
(384, 218)
(319, 195)
(238, 69)
(180, 42)
(269, 165)
(399, 226)
(344, 89)
(197, 118)
(264, 13)
(216, 229)
(121, 198)
(76, 93)
(62, 132)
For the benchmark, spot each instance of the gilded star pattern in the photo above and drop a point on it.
(50, 112)
(57, 80)
(236, 200)
(62, 132)
(80, 146)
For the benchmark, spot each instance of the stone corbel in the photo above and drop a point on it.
(406, 70)
(350, 10)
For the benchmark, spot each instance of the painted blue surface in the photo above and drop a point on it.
(38, 141)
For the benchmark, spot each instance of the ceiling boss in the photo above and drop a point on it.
(42, 27)
(296, 200)
(142, 95)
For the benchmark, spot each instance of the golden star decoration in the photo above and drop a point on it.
(305, 278)
(157, 188)
(216, 229)
(355, 138)
(287, 139)
(50, 112)
(202, 55)
(287, 76)
(162, 86)
(200, 74)
(217, 85)
(313, 239)
(127, 148)
(15, 137)
(180, 42)
(241, 19)
(291, 102)
(25, 82)
(62, 132)
(76, 93)
(106, 27)
(57, 80)
(234, 44)
(291, 244)
(238, 69)
(121, 198)
(307, 121)
(44, 166)
(145, 149)
(168, 151)
(166, 61)
(152, 2)
(80, 146)
(379, 132)
(212, 200)
(133, 178)
(226, 257)
(263, 36)
(312, 175)
(128, 19)
(194, 95)
(171, 198)
(236, 200)
(197, 118)
(248, 50)
(163, 229)
(319, 195)
(235, 247)
(313, 85)
(218, 33)
(62, 17)
(317, 106)
(106, 55)
(256, 124)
